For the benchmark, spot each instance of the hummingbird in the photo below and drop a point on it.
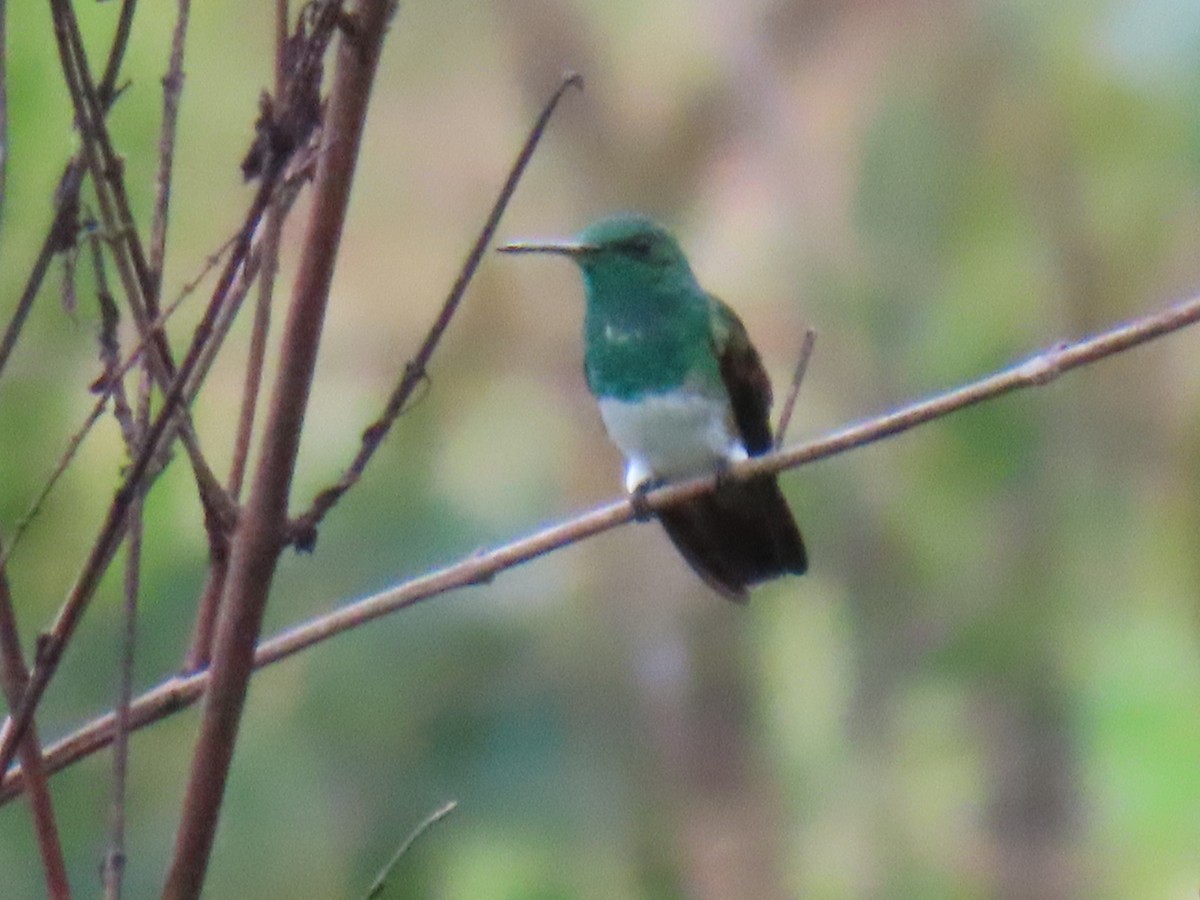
(682, 393)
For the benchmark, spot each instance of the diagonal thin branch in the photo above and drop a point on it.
(106, 386)
(1040, 369)
(160, 434)
(139, 284)
(172, 91)
(789, 403)
(112, 531)
(61, 233)
(13, 675)
(428, 822)
(113, 870)
(305, 525)
(3, 102)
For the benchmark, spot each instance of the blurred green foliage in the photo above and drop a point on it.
(989, 683)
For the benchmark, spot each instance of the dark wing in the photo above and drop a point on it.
(745, 379)
(742, 533)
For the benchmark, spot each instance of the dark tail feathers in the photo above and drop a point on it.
(737, 536)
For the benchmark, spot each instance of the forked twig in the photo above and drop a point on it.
(304, 527)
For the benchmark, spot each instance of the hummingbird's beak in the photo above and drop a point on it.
(563, 248)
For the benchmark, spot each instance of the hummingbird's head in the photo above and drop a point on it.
(635, 246)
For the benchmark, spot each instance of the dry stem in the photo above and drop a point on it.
(1040, 369)
(262, 527)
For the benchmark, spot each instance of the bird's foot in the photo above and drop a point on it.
(637, 498)
(721, 479)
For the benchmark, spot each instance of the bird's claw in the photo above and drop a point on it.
(721, 477)
(637, 499)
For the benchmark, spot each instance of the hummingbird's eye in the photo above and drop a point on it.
(638, 247)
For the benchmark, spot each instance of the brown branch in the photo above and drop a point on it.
(1040, 369)
(160, 434)
(789, 403)
(3, 103)
(200, 648)
(106, 386)
(105, 166)
(139, 284)
(113, 871)
(61, 233)
(107, 89)
(112, 531)
(261, 530)
(172, 91)
(114, 860)
(305, 526)
(13, 676)
(60, 237)
(266, 254)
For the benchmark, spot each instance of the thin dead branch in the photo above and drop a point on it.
(1040, 369)
(304, 529)
(13, 677)
(789, 403)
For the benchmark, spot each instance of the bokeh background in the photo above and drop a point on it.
(989, 683)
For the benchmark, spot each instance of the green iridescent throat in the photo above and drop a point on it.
(648, 327)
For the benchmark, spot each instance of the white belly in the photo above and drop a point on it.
(669, 436)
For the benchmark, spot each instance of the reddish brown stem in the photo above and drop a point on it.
(789, 403)
(13, 677)
(260, 535)
(172, 91)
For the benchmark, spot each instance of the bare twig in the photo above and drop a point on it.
(107, 89)
(106, 385)
(200, 648)
(110, 351)
(206, 609)
(172, 91)
(114, 861)
(261, 529)
(61, 233)
(35, 507)
(282, 18)
(53, 643)
(304, 528)
(218, 509)
(789, 403)
(60, 237)
(428, 822)
(140, 286)
(1040, 369)
(3, 102)
(13, 675)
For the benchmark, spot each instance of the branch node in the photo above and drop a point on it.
(44, 649)
(1045, 366)
(302, 534)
